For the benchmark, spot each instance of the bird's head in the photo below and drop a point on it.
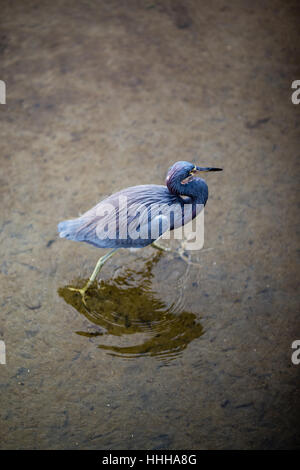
(184, 171)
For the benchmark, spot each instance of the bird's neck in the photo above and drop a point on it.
(196, 189)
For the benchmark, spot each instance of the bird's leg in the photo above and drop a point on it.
(98, 267)
(159, 247)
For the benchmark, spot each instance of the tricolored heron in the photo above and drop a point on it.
(144, 209)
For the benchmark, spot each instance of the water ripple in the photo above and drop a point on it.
(127, 311)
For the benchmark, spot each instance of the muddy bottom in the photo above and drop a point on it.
(165, 352)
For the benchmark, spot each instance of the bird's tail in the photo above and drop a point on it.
(68, 228)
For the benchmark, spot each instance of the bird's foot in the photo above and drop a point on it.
(159, 247)
(82, 291)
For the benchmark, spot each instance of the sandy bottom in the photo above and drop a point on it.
(166, 355)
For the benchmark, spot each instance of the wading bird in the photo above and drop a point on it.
(137, 216)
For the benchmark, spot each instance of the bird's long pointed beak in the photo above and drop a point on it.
(198, 168)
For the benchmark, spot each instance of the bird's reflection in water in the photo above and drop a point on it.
(126, 305)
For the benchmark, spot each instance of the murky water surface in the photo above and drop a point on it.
(128, 306)
(167, 352)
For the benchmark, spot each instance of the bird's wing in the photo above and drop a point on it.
(139, 212)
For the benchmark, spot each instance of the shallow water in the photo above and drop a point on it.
(168, 352)
(127, 305)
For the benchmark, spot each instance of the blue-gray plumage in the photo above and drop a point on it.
(135, 217)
